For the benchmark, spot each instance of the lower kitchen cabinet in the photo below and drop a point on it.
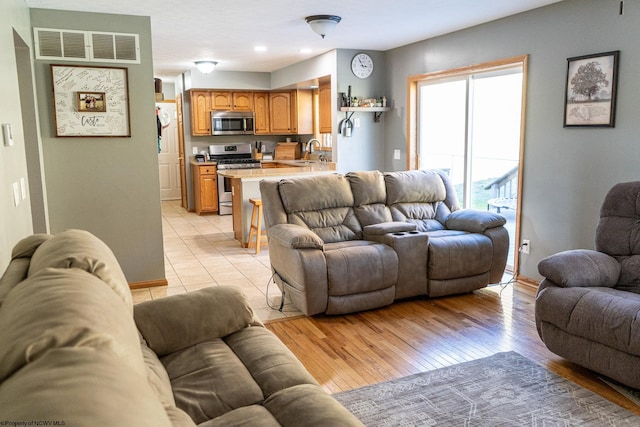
(205, 188)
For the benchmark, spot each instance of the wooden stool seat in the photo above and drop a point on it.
(256, 233)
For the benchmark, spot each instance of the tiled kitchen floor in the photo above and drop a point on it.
(200, 251)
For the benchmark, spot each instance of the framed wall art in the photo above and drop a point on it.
(90, 101)
(590, 95)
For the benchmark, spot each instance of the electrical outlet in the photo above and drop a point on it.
(525, 247)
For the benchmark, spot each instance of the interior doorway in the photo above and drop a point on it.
(470, 123)
(168, 152)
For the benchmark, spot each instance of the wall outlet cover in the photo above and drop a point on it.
(396, 154)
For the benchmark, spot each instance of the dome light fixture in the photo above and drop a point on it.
(322, 24)
(205, 67)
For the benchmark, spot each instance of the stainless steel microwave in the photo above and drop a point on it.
(232, 123)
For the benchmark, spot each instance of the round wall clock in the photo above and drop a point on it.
(362, 65)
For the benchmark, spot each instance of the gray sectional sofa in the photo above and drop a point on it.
(346, 243)
(588, 304)
(74, 350)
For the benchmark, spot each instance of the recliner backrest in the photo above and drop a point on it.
(324, 204)
(419, 197)
(618, 232)
(370, 197)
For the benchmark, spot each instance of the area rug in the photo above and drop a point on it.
(505, 389)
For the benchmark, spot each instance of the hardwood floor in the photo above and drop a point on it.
(346, 352)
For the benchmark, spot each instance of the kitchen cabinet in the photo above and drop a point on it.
(324, 113)
(205, 188)
(221, 100)
(302, 112)
(242, 101)
(261, 109)
(200, 113)
(280, 112)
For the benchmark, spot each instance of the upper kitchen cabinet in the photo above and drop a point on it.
(242, 101)
(221, 100)
(302, 112)
(235, 101)
(324, 113)
(200, 113)
(261, 109)
(280, 112)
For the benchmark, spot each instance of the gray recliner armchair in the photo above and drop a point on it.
(588, 304)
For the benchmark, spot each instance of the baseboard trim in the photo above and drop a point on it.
(527, 281)
(148, 284)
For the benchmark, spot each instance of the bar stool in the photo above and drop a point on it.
(255, 230)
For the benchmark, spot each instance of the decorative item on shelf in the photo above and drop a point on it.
(323, 24)
(205, 67)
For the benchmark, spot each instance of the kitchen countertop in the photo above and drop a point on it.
(311, 168)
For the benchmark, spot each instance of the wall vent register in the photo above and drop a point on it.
(87, 46)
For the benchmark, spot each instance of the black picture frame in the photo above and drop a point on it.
(590, 92)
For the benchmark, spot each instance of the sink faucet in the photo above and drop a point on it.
(313, 143)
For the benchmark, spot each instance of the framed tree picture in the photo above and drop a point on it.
(90, 101)
(590, 95)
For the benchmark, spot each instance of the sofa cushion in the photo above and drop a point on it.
(370, 196)
(629, 273)
(454, 254)
(81, 249)
(57, 308)
(417, 197)
(618, 232)
(209, 380)
(360, 268)
(323, 204)
(604, 315)
(82, 386)
(172, 324)
(580, 267)
(214, 378)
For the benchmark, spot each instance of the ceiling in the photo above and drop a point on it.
(227, 31)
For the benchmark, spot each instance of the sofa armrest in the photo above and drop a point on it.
(580, 267)
(388, 227)
(180, 321)
(295, 237)
(474, 221)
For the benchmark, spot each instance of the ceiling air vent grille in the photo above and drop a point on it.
(88, 46)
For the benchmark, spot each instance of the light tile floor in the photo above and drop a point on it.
(200, 251)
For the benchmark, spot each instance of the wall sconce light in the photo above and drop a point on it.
(322, 24)
(205, 67)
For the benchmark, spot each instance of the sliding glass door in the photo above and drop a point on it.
(470, 126)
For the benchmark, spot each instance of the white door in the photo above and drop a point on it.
(168, 154)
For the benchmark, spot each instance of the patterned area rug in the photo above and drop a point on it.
(505, 389)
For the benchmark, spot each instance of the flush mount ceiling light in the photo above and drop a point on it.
(322, 24)
(205, 67)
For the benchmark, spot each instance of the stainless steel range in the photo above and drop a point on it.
(233, 156)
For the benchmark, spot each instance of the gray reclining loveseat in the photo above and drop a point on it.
(346, 243)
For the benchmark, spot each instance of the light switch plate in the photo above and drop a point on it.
(7, 134)
(396, 154)
(16, 194)
(23, 188)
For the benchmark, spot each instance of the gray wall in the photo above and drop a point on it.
(567, 171)
(15, 221)
(108, 186)
(364, 150)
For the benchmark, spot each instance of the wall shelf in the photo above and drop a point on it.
(377, 111)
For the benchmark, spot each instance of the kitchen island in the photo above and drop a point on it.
(245, 185)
